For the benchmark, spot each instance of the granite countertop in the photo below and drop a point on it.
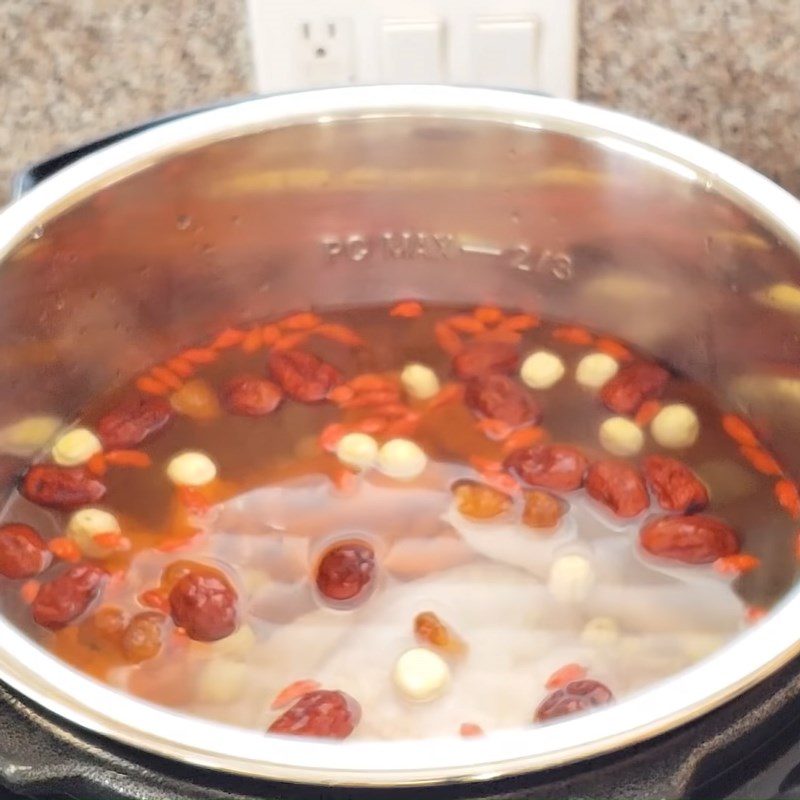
(725, 72)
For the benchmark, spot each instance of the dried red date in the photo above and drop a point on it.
(131, 423)
(251, 396)
(345, 570)
(23, 553)
(204, 605)
(692, 540)
(142, 637)
(632, 385)
(576, 696)
(551, 466)
(323, 713)
(63, 599)
(302, 375)
(619, 486)
(61, 487)
(480, 358)
(675, 486)
(499, 397)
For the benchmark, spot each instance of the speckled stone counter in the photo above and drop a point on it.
(725, 71)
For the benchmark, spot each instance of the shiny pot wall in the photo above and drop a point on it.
(369, 195)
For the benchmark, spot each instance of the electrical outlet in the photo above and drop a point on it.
(510, 44)
(324, 52)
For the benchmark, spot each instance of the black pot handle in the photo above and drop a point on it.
(35, 173)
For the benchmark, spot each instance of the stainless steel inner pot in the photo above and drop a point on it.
(373, 194)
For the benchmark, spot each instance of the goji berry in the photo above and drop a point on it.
(407, 309)
(739, 430)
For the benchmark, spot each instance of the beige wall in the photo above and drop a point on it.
(726, 71)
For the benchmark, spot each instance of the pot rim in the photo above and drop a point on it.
(749, 658)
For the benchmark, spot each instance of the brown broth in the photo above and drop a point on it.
(280, 498)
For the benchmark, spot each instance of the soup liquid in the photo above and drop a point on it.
(515, 614)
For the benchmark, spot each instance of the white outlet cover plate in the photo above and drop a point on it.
(540, 38)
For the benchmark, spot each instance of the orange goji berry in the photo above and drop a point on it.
(370, 382)
(341, 394)
(482, 464)
(448, 339)
(192, 499)
(370, 425)
(520, 322)
(392, 410)
(290, 341)
(167, 377)
(450, 393)
(739, 430)
(564, 675)
(65, 549)
(430, 630)
(344, 479)
(736, 564)
(760, 459)
(154, 598)
(501, 481)
(470, 729)
(112, 541)
(465, 324)
(230, 337)
(175, 543)
(613, 348)
(253, 340)
(408, 309)
(270, 334)
(180, 366)
(339, 333)
(573, 335)
(292, 692)
(753, 614)
(402, 427)
(488, 315)
(500, 334)
(524, 437)
(29, 590)
(330, 436)
(150, 385)
(200, 355)
(128, 458)
(787, 495)
(494, 429)
(377, 398)
(97, 464)
(647, 412)
(302, 321)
